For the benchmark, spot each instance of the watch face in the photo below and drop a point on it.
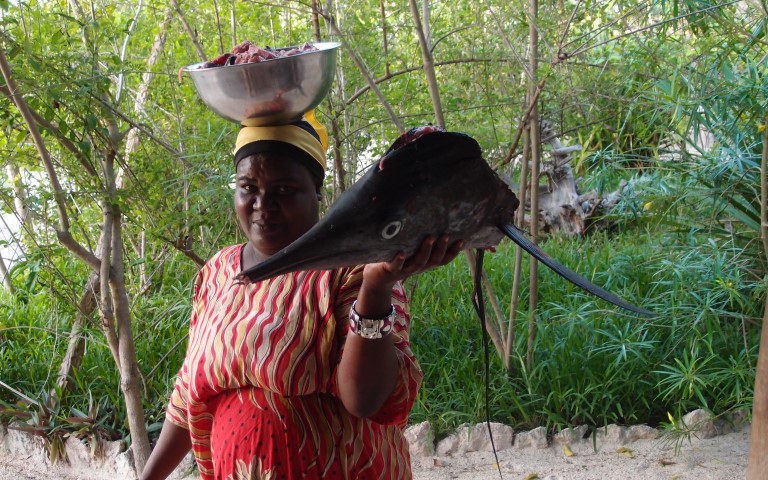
(370, 328)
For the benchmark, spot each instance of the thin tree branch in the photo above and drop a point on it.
(184, 245)
(568, 25)
(122, 116)
(594, 33)
(504, 38)
(131, 27)
(384, 40)
(18, 100)
(491, 327)
(391, 75)
(448, 34)
(363, 70)
(429, 64)
(190, 31)
(6, 277)
(218, 26)
(534, 90)
(523, 122)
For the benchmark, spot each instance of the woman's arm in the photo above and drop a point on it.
(368, 370)
(174, 443)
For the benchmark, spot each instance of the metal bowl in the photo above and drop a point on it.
(272, 92)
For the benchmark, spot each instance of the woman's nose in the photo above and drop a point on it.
(264, 202)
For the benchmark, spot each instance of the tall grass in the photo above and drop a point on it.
(593, 364)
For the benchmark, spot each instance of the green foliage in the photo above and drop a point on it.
(33, 339)
(594, 365)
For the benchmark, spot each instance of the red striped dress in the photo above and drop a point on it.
(258, 387)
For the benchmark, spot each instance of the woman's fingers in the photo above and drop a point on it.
(422, 256)
(457, 247)
(433, 253)
(438, 251)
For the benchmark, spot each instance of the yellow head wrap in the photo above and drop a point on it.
(306, 140)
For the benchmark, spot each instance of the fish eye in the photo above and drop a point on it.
(391, 229)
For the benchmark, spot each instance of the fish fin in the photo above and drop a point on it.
(519, 238)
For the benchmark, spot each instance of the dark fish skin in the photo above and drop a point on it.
(436, 184)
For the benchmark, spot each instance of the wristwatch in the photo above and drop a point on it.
(371, 328)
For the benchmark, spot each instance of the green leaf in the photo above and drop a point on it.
(21, 136)
(138, 261)
(69, 17)
(727, 71)
(665, 86)
(91, 121)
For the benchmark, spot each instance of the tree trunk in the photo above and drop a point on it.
(5, 276)
(757, 466)
(514, 302)
(758, 443)
(76, 344)
(119, 331)
(130, 378)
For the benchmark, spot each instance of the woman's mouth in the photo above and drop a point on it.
(267, 226)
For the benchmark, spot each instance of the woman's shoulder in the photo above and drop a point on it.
(230, 252)
(228, 257)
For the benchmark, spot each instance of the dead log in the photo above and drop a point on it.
(562, 206)
(559, 205)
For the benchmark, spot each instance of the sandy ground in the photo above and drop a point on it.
(720, 458)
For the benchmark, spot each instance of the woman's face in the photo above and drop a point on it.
(276, 201)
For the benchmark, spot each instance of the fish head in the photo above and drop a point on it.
(428, 184)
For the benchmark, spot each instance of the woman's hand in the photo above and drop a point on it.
(434, 252)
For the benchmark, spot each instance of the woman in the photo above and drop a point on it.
(278, 381)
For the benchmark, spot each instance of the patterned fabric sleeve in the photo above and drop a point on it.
(176, 412)
(177, 409)
(397, 407)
